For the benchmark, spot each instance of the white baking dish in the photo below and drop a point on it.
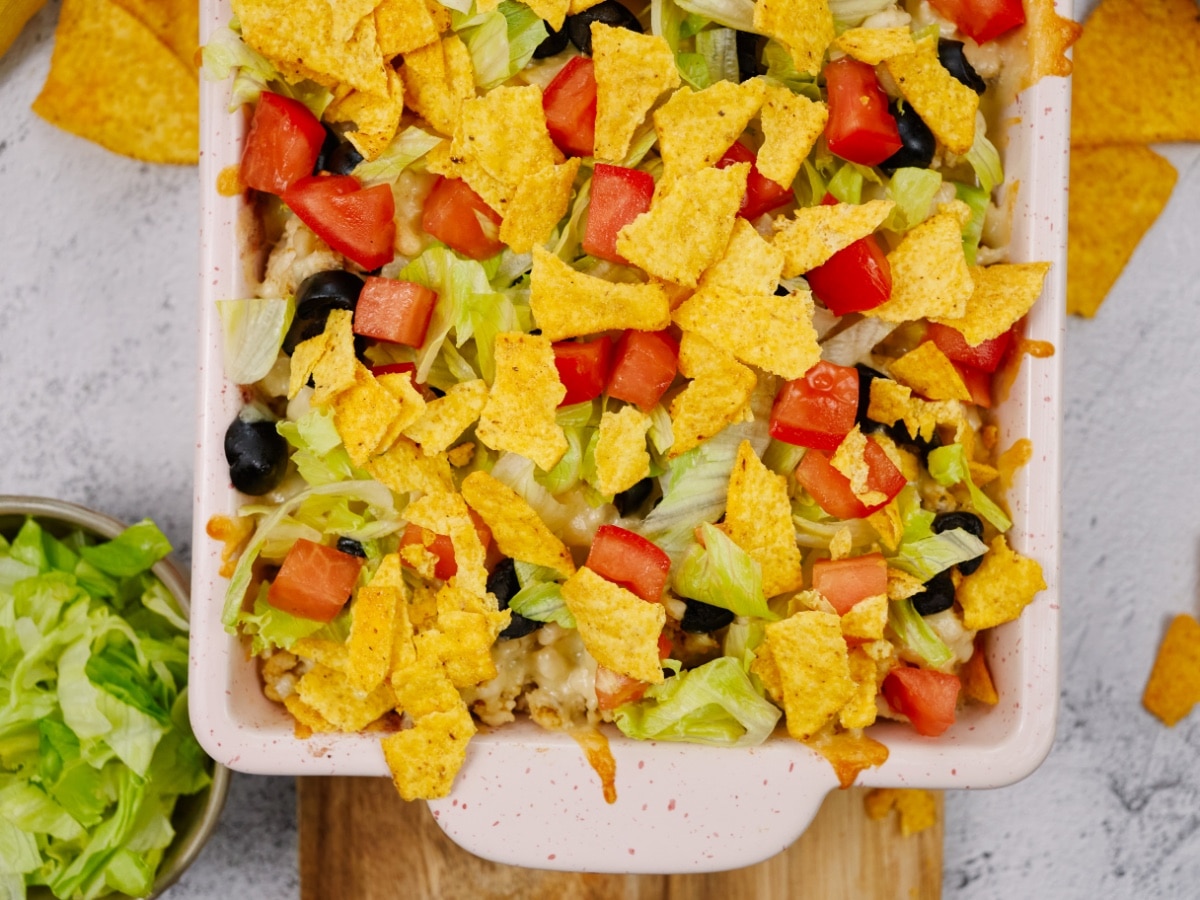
(528, 797)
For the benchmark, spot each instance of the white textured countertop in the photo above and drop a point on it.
(98, 258)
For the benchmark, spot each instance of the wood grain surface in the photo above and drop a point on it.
(359, 841)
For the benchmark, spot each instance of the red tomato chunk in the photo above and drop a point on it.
(982, 20)
(845, 582)
(818, 409)
(314, 581)
(394, 311)
(458, 217)
(629, 560)
(645, 366)
(619, 196)
(762, 194)
(985, 356)
(855, 279)
(569, 102)
(614, 689)
(860, 128)
(927, 697)
(446, 566)
(395, 369)
(583, 368)
(831, 489)
(355, 221)
(282, 145)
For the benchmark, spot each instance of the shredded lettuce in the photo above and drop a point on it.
(317, 453)
(854, 344)
(782, 68)
(543, 602)
(253, 332)
(677, 26)
(849, 13)
(227, 54)
(985, 158)
(977, 199)
(715, 704)
(913, 191)
(914, 636)
(781, 457)
(948, 465)
(405, 149)
(718, 47)
(269, 627)
(720, 573)
(501, 42)
(928, 556)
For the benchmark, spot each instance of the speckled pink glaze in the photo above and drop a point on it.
(528, 797)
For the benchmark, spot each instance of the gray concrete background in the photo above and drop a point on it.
(98, 258)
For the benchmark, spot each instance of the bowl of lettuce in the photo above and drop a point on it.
(104, 791)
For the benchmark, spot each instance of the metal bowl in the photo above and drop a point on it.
(195, 816)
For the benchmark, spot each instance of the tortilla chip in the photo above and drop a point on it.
(462, 640)
(412, 405)
(438, 79)
(516, 527)
(687, 230)
(1174, 685)
(850, 459)
(943, 102)
(874, 45)
(815, 233)
(362, 415)
(174, 22)
(333, 654)
(891, 402)
(537, 205)
(621, 456)
(1002, 295)
(347, 14)
(929, 372)
(375, 118)
(814, 670)
(505, 132)
(332, 694)
(849, 753)
(568, 303)
(423, 687)
(112, 81)
(865, 621)
(758, 518)
(519, 414)
(461, 455)
(1155, 45)
(425, 759)
(1048, 37)
(632, 70)
(930, 276)
(447, 513)
(402, 26)
(976, 678)
(1116, 195)
(695, 128)
(860, 710)
(308, 720)
(449, 416)
(406, 467)
(718, 394)
(304, 359)
(578, 6)
(791, 124)
(372, 632)
(552, 12)
(619, 629)
(336, 368)
(1003, 585)
(917, 807)
(804, 27)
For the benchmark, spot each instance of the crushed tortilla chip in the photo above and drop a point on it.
(917, 807)
(423, 687)
(850, 459)
(718, 394)
(891, 402)
(402, 26)
(860, 710)
(1155, 44)
(505, 131)
(325, 651)
(375, 118)
(438, 79)
(874, 45)
(804, 27)
(1003, 585)
(815, 233)
(372, 629)
(462, 640)
(552, 12)
(687, 230)
(568, 303)
(1002, 295)
(425, 759)
(865, 621)
(448, 417)
(335, 369)
(308, 720)
(1116, 195)
(791, 124)
(538, 203)
(1048, 37)
(902, 585)
(446, 513)
(332, 694)
(405, 467)
(412, 405)
(758, 518)
(516, 527)
(461, 455)
(929, 372)
(695, 128)
(849, 753)
(362, 415)
(346, 15)
(930, 276)
(943, 102)
(749, 265)
(977, 683)
(619, 629)
(632, 71)
(520, 412)
(814, 669)
(1174, 684)
(621, 456)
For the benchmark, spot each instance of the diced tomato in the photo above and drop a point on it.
(395, 369)
(927, 697)
(644, 367)
(569, 102)
(845, 582)
(355, 221)
(629, 560)
(831, 489)
(282, 145)
(446, 567)
(583, 368)
(395, 311)
(860, 128)
(982, 20)
(614, 689)
(314, 581)
(855, 279)
(985, 356)
(818, 409)
(979, 383)
(762, 194)
(458, 217)
(619, 196)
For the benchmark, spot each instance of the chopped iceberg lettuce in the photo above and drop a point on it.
(948, 465)
(720, 573)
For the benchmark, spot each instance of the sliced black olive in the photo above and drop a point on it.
(630, 501)
(610, 12)
(919, 142)
(967, 522)
(351, 547)
(951, 56)
(937, 596)
(343, 159)
(504, 584)
(257, 455)
(865, 376)
(327, 147)
(555, 43)
(747, 55)
(704, 617)
(316, 296)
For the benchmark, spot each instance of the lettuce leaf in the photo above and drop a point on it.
(915, 636)
(948, 465)
(721, 573)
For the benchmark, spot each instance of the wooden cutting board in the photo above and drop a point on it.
(359, 841)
